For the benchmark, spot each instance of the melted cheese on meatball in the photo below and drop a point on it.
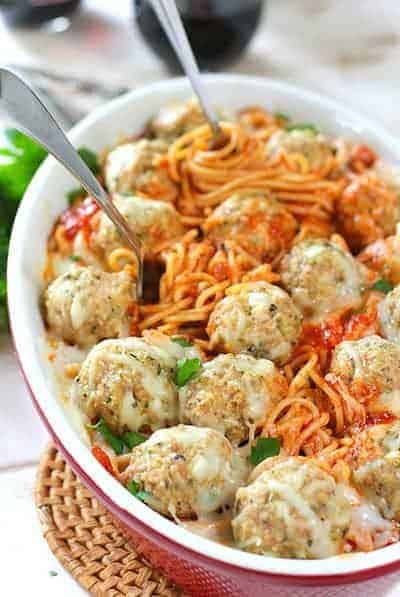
(322, 278)
(232, 394)
(186, 471)
(259, 318)
(86, 305)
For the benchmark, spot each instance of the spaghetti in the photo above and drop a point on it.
(320, 411)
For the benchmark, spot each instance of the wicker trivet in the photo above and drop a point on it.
(86, 540)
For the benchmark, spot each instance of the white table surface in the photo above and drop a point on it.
(344, 48)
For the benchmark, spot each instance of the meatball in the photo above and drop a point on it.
(389, 316)
(292, 510)
(153, 221)
(128, 383)
(176, 119)
(86, 305)
(367, 210)
(313, 147)
(322, 278)
(258, 318)
(186, 471)
(258, 223)
(383, 256)
(376, 466)
(370, 368)
(133, 167)
(233, 394)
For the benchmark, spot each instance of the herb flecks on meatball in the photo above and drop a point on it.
(322, 278)
(232, 394)
(294, 510)
(86, 305)
(257, 318)
(186, 471)
(370, 368)
(258, 223)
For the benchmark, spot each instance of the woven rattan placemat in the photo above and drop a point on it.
(85, 539)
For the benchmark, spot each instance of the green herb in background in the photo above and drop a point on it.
(382, 286)
(19, 159)
(265, 447)
(185, 370)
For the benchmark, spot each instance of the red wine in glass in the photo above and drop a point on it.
(218, 30)
(35, 12)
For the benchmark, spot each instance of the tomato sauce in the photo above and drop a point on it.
(77, 218)
(104, 459)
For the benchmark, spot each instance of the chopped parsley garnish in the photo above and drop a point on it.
(265, 447)
(282, 116)
(53, 573)
(132, 439)
(90, 159)
(186, 369)
(74, 258)
(113, 440)
(181, 341)
(303, 126)
(382, 286)
(134, 488)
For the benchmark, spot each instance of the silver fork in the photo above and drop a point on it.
(33, 118)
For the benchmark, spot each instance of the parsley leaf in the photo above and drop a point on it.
(382, 286)
(113, 440)
(265, 448)
(74, 258)
(181, 341)
(90, 159)
(132, 439)
(303, 126)
(134, 488)
(186, 369)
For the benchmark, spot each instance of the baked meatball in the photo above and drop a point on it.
(368, 209)
(176, 119)
(86, 305)
(129, 383)
(321, 278)
(232, 394)
(153, 221)
(370, 368)
(376, 465)
(133, 167)
(186, 471)
(383, 256)
(315, 148)
(259, 224)
(294, 509)
(389, 315)
(258, 318)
